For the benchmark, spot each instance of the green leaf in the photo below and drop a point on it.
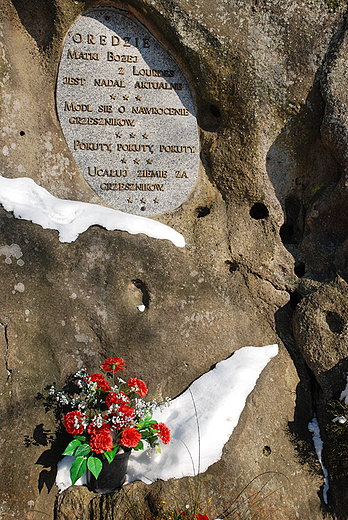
(139, 446)
(147, 421)
(110, 455)
(81, 438)
(71, 447)
(82, 451)
(78, 467)
(152, 440)
(94, 465)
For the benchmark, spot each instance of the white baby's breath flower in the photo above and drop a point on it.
(63, 400)
(98, 421)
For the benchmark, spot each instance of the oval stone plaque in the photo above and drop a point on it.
(127, 114)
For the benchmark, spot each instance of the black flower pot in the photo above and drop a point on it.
(112, 475)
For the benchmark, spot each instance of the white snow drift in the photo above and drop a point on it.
(29, 201)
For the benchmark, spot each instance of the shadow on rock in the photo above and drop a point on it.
(306, 392)
(55, 441)
(38, 17)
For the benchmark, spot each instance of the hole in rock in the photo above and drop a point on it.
(203, 211)
(286, 233)
(290, 232)
(22, 133)
(334, 322)
(215, 111)
(266, 451)
(295, 298)
(300, 269)
(143, 208)
(233, 266)
(139, 284)
(259, 211)
(210, 118)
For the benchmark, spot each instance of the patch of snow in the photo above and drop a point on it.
(201, 420)
(313, 427)
(141, 308)
(341, 419)
(29, 201)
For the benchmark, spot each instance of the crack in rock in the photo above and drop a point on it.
(9, 372)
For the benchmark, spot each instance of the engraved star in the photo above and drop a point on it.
(149, 161)
(124, 160)
(126, 98)
(136, 161)
(138, 98)
(156, 201)
(118, 134)
(130, 200)
(145, 136)
(132, 135)
(113, 96)
(143, 201)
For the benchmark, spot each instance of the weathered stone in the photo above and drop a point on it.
(137, 500)
(255, 71)
(320, 327)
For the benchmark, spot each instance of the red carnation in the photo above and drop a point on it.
(113, 364)
(126, 410)
(130, 438)
(202, 517)
(137, 385)
(73, 422)
(163, 432)
(100, 380)
(123, 398)
(111, 398)
(101, 439)
(92, 428)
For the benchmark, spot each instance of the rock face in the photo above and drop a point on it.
(265, 230)
(319, 328)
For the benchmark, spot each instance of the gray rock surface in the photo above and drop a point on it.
(320, 329)
(265, 226)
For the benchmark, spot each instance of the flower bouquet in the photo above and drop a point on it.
(107, 417)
